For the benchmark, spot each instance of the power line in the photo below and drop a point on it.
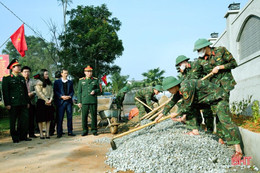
(27, 26)
(22, 22)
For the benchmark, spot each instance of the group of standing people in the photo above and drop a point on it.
(31, 100)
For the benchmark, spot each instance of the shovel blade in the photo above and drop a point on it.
(113, 145)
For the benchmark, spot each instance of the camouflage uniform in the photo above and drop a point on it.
(219, 56)
(189, 73)
(119, 99)
(199, 94)
(145, 95)
(224, 78)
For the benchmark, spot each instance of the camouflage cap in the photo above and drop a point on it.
(170, 82)
(158, 88)
(201, 43)
(124, 89)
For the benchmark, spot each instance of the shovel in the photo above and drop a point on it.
(143, 103)
(112, 142)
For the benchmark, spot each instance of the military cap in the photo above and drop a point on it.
(36, 76)
(88, 68)
(180, 59)
(124, 90)
(13, 63)
(201, 43)
(158, 88)
(170, 82)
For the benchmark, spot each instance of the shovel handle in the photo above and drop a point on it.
(154, 110)
(143, 103)
(207, 76)
(143, 126)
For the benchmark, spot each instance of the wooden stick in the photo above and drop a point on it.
(207, 76)
(154, 110)
(143, 103)
(143, 126)
(156, 115)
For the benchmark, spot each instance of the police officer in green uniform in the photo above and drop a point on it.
(16, 100)
(88, 89)
(197, 94)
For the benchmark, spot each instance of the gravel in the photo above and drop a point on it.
(165, 147)
(103, 140)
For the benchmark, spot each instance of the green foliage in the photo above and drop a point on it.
(91, 39)
(39, 55)
(3, 111)
(4, 124)
(118, 82)
(153, 77)
(255, 111)
(238, 107)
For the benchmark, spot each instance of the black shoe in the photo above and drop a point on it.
(63, 133)
(15, 141)
(48, 137)
(71, 134)
(84, 134)
(32, 136)
(95, 134)
(59, 136)
(51, 133)
(42, 137)
(26, 139)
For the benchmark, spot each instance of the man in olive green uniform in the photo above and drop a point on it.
(120, 98)
(220, 62)
(146, 95)
(88, 89)
(16, 100)
(197, 94)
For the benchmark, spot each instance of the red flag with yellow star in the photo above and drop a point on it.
(104, 79)
(18, 40)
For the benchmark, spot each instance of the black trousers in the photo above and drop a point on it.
(19, 122)
(32, 119)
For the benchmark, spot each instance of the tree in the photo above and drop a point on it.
(91, 38)
(153, 77)
(39, 55)
(118, 82)
(65, 4)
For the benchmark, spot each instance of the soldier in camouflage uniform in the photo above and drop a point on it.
(187, 71)
(199, 94)
(219, 61)
(120, 98)
(146, 95)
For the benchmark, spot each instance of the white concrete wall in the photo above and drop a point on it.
(247, 74)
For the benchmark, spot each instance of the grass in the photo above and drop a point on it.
(4, 127)
(247, 122)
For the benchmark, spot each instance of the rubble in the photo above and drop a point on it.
(165, 147)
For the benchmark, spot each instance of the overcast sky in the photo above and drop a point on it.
(153, 32)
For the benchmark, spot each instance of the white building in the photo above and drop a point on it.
(242, 39)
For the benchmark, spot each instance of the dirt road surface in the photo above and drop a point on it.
(67, 154)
